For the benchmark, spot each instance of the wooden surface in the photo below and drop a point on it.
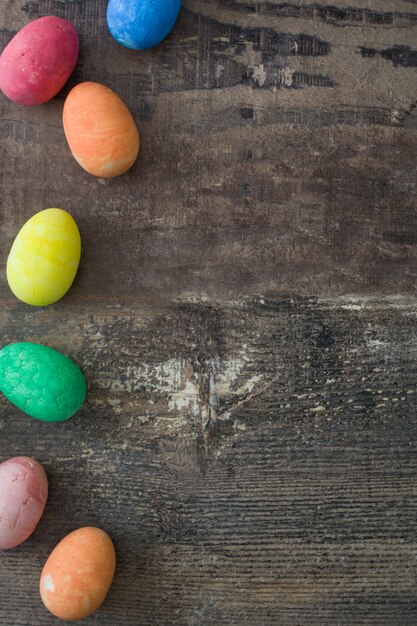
(249, 437)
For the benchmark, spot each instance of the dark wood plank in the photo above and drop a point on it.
(253, 456)
(254, 173)
(255, 462)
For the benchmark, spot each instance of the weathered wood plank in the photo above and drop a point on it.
(235, 189)
(255, 462)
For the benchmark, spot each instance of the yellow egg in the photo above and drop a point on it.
(44, 257)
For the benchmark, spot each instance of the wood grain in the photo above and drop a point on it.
(249, 436)
(278, 153)
(254, 462)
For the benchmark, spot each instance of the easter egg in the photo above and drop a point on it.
(38, 61)
(100, 130)
(23, 495)
(141, 24)
(41, 382)
(78, 574)
(44, 257)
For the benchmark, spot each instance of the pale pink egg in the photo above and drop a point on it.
(23, 495)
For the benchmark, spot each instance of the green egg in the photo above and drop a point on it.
(41, 382)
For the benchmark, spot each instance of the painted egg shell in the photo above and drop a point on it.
(44, 258)
(100, 130)
(41, 382)
(78, 574)
(38, 61)
(23, 495)
(141, 24)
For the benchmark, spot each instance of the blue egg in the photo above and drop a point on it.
(141, 24)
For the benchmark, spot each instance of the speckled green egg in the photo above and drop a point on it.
(42, 382)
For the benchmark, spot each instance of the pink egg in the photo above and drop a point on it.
(23, 495)
(38, 61)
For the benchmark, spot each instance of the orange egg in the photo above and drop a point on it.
(100, 130)
(78, 574)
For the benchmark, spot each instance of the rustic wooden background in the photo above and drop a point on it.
(250, 434)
